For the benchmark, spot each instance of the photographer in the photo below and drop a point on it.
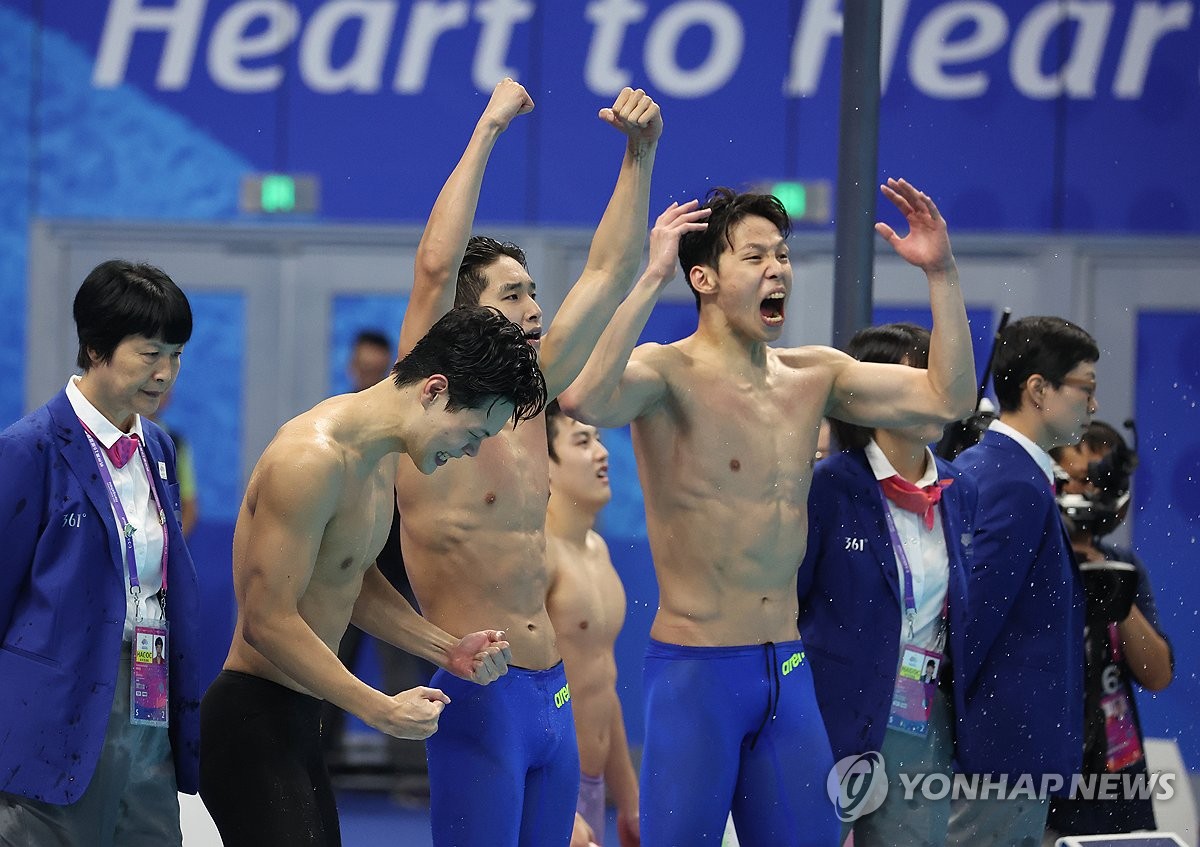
(1123, 642)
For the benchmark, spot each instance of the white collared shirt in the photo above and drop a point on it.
(133, 489)
(926, 552)
(1039, 455)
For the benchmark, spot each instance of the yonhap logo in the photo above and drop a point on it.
(857, 786)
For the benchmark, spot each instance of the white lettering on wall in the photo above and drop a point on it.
(933, 53)
(820, 23)
(610, 19)
(499, 18)
(662, 45)
(1150, 22)
(373, 20)
(1057, 48)
(1079, 68)
(429, 19)
(125, 18)
(229, 46)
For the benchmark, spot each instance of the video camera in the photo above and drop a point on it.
(1099, 512)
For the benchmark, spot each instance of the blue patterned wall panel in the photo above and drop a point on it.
(1166, 498)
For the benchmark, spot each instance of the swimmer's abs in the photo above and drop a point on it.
(755, 620)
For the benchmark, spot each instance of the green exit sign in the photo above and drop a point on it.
(806, 201)
(279, 194)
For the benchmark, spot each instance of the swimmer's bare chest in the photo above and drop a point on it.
(730, 441)
(359, 528)
(501, 492)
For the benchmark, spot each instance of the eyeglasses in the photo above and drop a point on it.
(1087, 386)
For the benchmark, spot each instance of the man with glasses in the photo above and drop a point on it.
(1024, 649)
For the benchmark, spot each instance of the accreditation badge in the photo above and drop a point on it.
(149, 681)
(1124, 747)
(916, 685)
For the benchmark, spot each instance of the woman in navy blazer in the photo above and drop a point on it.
(73, 768)
(852, 607)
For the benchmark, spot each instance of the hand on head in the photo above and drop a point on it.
(668, 229)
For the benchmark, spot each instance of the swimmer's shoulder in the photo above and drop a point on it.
(810, 356)
(301, 455)
(665, 359)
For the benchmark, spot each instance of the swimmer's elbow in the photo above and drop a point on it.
(257, 631)
(962, 406)
(574, 405)
(951, 406)
(263, 625)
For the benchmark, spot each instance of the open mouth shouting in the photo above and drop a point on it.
(534, 337)
(771, 308)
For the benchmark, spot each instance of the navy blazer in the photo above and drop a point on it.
(62, 608)
(851, 601)
(1024, 709)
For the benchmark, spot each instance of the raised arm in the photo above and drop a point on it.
(385, 613)
(887, 395)
(444, 240)
(616, 248)
(295, 501)
(613, 389)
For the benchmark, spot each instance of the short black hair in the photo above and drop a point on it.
(373, 338)
(704, 247)
(484, 356)
(119, 299)
(1039, 344)
(897, 343)
(481, 253)
(554, 419)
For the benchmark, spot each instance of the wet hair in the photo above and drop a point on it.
(1049, 346)
(481, 253)
(484, 357)
(892, 344)
(554, 418)
(373, 338)
(728, 208)
(119, 299)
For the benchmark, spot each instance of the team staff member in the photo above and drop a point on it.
(1023, 710)
(883, 599)
(89, 516)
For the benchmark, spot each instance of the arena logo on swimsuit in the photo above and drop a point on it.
(792, 662)
(346, 46)
(563, 697)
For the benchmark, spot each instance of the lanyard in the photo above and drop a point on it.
(127, 529)
(910, 603)
(1114, 643)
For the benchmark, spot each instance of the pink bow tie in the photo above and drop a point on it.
(122, 450)
(921, 501)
